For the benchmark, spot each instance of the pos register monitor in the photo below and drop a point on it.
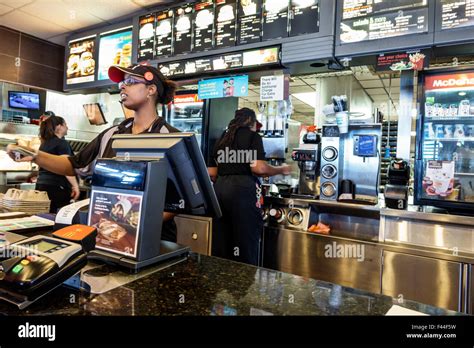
(151, 173)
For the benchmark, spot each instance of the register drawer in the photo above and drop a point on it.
(422, 279)
(194, 232)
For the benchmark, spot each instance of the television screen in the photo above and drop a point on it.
(23, 100)
(94, 114)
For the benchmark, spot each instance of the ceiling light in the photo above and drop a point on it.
(462, 94)
(307, 98)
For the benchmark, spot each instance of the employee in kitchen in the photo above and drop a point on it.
(142, 89)
(61, 189)
(238, 160)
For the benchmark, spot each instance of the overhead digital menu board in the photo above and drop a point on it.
(364, 8)
(250, 21)
(164, 34)
(457, 13)
(114, 49)
(231, 61)
(305, 17)
(275, 19)
(203, 25)
(146, 41)
(225, 23)
(80, 66)
(182, 29)
(375, 21)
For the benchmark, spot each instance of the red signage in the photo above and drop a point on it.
(186, 98)
(449, 81)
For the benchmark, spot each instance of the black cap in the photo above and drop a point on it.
(148, 72)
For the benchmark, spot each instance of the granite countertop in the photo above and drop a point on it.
(205, 285)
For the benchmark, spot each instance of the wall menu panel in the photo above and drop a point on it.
(385, 25)
(457, 14)
(364, 8)
(305, 17)
(146, 41)
(226, 11)
(164, 34)
(203, 25)
(81, 61)
(275, 19)
(182, 29)
(250, 21)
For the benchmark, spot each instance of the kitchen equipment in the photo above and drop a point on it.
(307, 156)
(331, 160)
(396, 191)
(347, 190)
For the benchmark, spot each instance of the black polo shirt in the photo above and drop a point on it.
(54, 146)
(91, 151)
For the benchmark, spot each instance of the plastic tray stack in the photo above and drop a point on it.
(26, 201)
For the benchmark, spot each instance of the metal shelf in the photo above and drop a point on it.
(450, 139)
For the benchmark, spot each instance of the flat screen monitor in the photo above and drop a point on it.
(23, 100)
(189, 189)
(94, 114)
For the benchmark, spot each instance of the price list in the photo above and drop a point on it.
(250, 21)
(164, 33)
(182, 29)
(275, 19)
(305, 17)
(203, 25)
(225, 23)
(457, 13)
(146, 42)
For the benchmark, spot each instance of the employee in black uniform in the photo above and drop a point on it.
(142, 88)
(61, 189)
(237, 161)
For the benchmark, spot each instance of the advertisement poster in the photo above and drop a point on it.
(116, 217)
(80, 62)
(114, 49)
(235, 86)
(439, 178)
(401, 61)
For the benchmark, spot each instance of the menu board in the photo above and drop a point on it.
(114, 49)
(182, 29)
(257, 57)
(164, 33)
(305, 17)
(225, 23)
(203, 25)
(81, 62)
(275, 19)
(146, 42)
(250, 21)
(384, 25)
(364, 8)
(457, 13)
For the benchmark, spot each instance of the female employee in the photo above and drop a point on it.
(142, 88)
(238, 158)
(60, 188)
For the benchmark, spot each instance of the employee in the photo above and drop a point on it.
(60, 188)
(238, 160)
(142, 88)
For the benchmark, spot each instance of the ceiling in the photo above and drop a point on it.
(54, 20)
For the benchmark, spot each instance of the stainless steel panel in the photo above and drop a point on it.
(417, 215)
(448, 236)
(470, 286)
(194, 232)
(426, 280)
(274, 147)
(355, 227)
(341, 261)
(405, 115)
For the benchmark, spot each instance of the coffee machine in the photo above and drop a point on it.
(308, 157)
(350, 163)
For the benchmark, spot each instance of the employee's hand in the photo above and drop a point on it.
(12, 151)
(285, 169)
(75, 192)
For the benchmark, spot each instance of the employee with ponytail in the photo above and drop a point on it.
(237, 161)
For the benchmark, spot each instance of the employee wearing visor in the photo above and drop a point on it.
(142, 88)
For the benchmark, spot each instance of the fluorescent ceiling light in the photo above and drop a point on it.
(307, 98)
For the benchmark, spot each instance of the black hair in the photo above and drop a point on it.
(244, 117)
(48, 127)
(49, 113)
(169, 89)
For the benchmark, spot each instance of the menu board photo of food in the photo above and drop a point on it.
(117, 218)
(182, 29)
(164, 33)
(80, 61)
(225, 23)
(275, 19)
(114, 49)
(146, 25)
(250, 21)
(203, 25)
